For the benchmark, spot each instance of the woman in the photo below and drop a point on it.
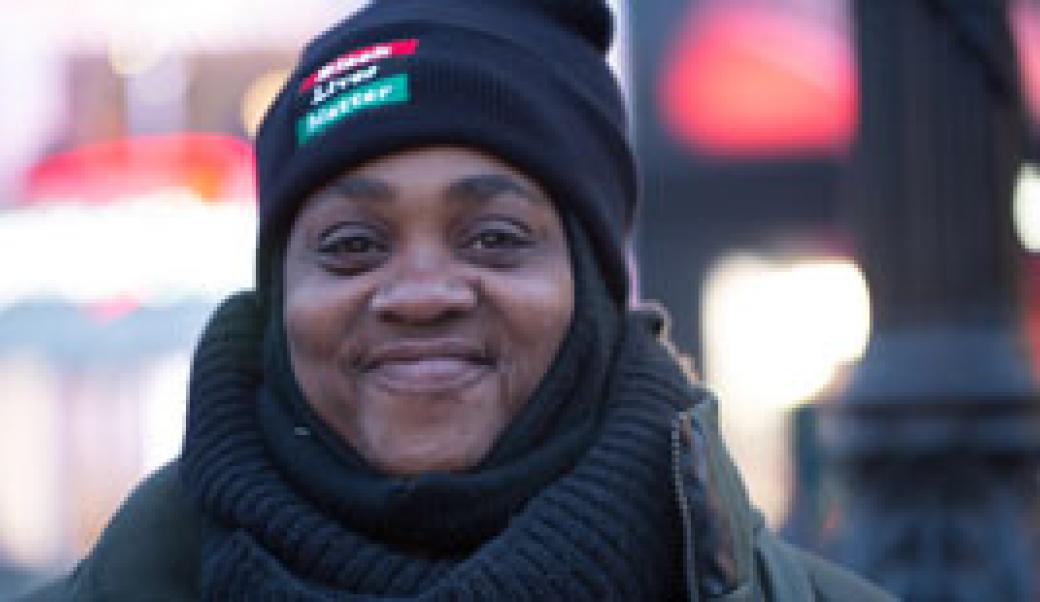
(436, 391)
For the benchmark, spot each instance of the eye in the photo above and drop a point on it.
(350, 247)
(499, 243)
(347, 244)
(497, 239)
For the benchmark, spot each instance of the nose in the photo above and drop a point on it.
(423, 290)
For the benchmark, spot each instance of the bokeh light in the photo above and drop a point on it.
(1027, 207)
(746, 79)
(158, 247)
(789, 324)
(258, 98)
(777, 332)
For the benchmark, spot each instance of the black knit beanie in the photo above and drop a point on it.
(525, 80)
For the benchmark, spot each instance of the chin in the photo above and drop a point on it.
(410, 466)
(414, 434)
(423, 457)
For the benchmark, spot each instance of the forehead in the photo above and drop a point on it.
(451, 173)
(433, 162)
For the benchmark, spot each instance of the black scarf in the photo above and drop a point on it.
(574, 502)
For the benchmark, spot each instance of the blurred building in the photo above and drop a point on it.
(126, 213)
(746, 115)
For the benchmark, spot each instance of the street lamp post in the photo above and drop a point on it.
(935, 441)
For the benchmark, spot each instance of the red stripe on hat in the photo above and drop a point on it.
(356, 58)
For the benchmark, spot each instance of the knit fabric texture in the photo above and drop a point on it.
(574, 502)
(524, 80)
(606, 530)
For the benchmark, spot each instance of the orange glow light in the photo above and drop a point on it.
(752, 81)
(215, 167)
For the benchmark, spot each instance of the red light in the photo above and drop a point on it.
(1032, 314)
(215, 167)
(110, 310)
(1025, 25)
(750, 81)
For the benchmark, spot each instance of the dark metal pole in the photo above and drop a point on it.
(935, 441)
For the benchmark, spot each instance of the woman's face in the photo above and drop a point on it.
(426, 294)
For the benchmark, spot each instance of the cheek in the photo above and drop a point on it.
(317, 315)
(536, 312)
(307, 324)
(319, 321)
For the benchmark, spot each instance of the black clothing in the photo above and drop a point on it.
(151, 549)
(604, 530)
(653, 510)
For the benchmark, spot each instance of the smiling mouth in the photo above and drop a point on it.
(428, 367)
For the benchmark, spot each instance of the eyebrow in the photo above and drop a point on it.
(486, 187)
(479, 188)
(359, 187)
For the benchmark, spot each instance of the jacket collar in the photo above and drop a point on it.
(719, 524)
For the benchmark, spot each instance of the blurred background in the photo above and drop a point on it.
(842, 210)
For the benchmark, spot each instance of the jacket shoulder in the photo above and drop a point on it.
(149, 551)
(790, 573)
(731, 556)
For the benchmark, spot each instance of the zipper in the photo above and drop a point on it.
(689, 577)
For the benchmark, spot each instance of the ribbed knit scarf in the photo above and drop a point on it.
(606, 530)
(583, 514)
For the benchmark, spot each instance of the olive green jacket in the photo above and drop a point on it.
(150, 550)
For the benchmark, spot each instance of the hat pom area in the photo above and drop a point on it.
(590, 19)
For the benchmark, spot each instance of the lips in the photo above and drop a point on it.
(427, 366)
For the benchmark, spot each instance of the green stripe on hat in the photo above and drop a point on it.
(382, 92)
